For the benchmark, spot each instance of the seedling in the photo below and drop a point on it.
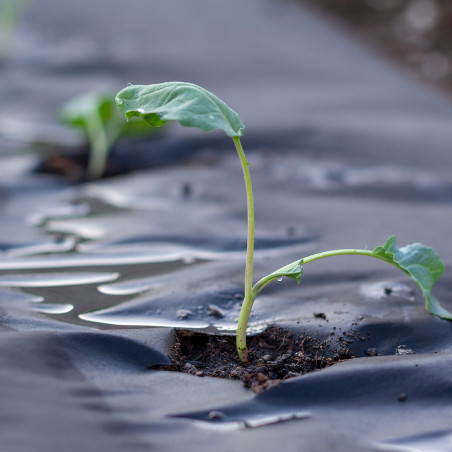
(10, 12)
(193, 106)
(96, 116)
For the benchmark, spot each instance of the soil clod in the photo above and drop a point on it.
(274, 355)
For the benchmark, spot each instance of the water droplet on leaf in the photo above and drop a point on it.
(129, 84)
(279, 278)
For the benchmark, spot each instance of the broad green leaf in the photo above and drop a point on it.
(293, 270)
(422, 264)
(189, 104)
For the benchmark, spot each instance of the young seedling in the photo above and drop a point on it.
(10, 12)
(193, 106)
(96, 116)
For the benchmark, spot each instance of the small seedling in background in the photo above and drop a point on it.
(96, 116)
(193, 106)
(10, 12)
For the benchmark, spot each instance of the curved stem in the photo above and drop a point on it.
(249, 296)
(313, 257)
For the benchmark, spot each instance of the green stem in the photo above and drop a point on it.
(249, 296)
(313, 257)
(100, 145)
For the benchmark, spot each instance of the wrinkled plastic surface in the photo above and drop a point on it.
(355, 153)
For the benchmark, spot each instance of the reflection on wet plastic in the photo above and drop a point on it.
(428, 442)
(47, 308)
(68, 244)
(183, 321)
(55, 279)
(130, 287)
(227, 422)
(142, 254)
(134, 320)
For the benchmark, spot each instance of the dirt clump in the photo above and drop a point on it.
(274, 355)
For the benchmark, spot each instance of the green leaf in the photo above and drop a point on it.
(293, 270)
(80, 110)
(189, 104)
(422, 264)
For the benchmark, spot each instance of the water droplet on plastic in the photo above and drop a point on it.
(279, 278)
(55, 279)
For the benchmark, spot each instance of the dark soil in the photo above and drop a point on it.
(72, 164)
(274, 355)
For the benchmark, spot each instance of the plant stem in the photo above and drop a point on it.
(100, 145)
(249, 296)
(313, 257)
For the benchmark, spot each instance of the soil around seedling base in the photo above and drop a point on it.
(274, 355)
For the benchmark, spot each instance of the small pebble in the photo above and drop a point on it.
(267, 357)
(183, 314)
(402, 397)
(189, 368)
(372, 352)
(404, 350)
(215, 311)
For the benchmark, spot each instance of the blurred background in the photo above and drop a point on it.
(337, 76)
(415, 33)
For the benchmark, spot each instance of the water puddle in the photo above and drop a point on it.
(131, 320)
(112, 258)
(19, 301)
(47, 308)
(428, 442)
(61, 246)
(197, 303)
(130, 287)
(55, 279)
(116, 319)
